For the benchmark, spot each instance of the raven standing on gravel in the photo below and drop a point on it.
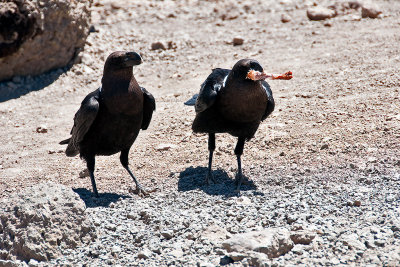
(233, 101)
(110, 118)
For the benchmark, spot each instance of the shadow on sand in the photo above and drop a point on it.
(104, 200)
(194, 178)
(13, 89)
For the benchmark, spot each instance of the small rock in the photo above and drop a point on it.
(177, 253)
(305, 95)
(144, 254)
(351, 240)
(320, 13)
(324, 146)
(303, 237)
(395, 227)
(157, 46)
(116, 250)
(236, 256)
(243, 200)
(271, 241)
(84, 173)
(357, 203)
(190, 236)
(282, 154)
(214, 233)
(297, 249)
(111, 227)
(33, 263)
(370, 11)
(238, 41)
(116, 6)
(285, 18)
(167, 234)
(230, 15)
(164, 147)
(41, 129)
(172, 45)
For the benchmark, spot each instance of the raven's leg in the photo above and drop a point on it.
(211, 148)
(238, 152)
(124, 161)
(90, 161)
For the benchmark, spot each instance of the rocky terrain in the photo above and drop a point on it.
(325, 167)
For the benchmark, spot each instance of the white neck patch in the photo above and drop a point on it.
(224, 82)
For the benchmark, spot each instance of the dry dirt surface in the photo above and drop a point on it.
(329, 152)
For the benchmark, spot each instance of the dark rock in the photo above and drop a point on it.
(157, 46)
(238, 41)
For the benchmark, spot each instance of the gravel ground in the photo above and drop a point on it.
(355, 223)
(326, 161)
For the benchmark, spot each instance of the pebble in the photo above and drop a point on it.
(167, 234)
(157, 46)
(84, 173)
(144, 254)
(238, 41)
(370, 11)
(165, 147)
(320, 13)
(41, 129)
(324, 146)
(285, 18)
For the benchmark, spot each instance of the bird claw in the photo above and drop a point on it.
(139, 191)
(210, 176)
(241, 180)
(244, 181)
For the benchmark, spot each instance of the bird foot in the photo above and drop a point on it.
(209, 177)
(245, 181)
(241, 180)
(139, 191)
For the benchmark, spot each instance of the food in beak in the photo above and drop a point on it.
(256, 76)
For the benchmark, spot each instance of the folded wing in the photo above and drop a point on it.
(270, 102)
(210, 88)
(83, 119)
(149, 105)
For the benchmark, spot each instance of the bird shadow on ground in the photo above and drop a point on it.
(20, 86)
(194, 178)
(104, 199)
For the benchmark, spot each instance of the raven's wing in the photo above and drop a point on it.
(149, 105)
(270, 100)
(210, 88)
(83, 119)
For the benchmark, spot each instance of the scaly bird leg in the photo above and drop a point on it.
(211, 148)
(124, 161)
(90, 162)
(238, 152)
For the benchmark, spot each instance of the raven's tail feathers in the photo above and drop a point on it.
(65, 142)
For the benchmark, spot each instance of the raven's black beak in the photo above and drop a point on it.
(133, 58)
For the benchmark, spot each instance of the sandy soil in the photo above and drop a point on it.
(336, 121)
